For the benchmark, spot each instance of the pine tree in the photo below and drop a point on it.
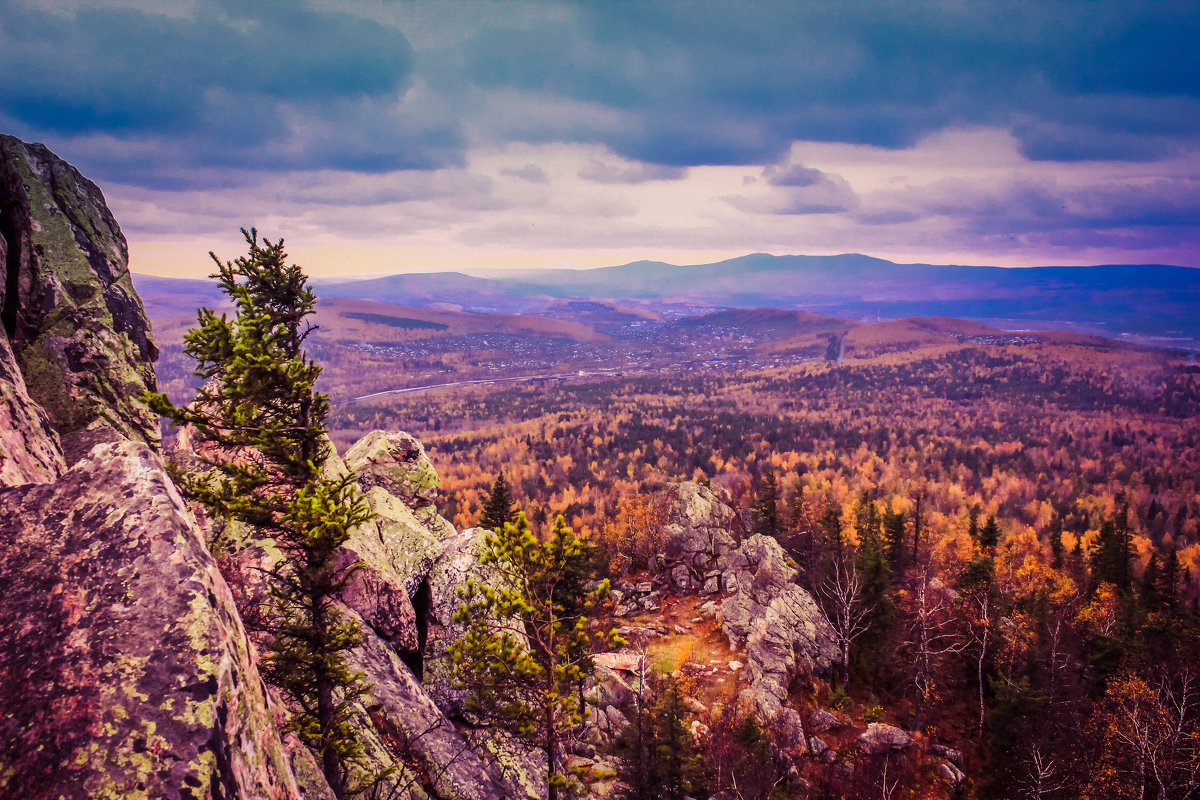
(526, 644)
(1151, 580)
(679, 773)
(875, 571)
(1170, 578)
(499, 507)
(893, 536)
(260, 427)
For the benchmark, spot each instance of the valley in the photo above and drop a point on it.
(897, 444)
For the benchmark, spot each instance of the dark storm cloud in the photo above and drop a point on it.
(261, 86)
(275, 86)
(798, 190)
(1158, 211)
(793, 175)
(1123, 76)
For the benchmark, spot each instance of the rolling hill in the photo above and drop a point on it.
(1155, 304)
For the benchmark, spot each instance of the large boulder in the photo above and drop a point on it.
(776, 621)
(396, 462)
(880, 738)
(457, 563)
(67, 303)
(123, 645)
(29, 446)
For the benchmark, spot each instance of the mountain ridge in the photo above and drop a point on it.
(1145, 301)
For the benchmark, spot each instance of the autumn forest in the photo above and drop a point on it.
(1021, 524)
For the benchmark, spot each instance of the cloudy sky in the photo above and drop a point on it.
(381, 136)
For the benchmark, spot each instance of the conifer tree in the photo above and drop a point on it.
(989, 534)
(765, 510)
(875, 571)
(1170, 578)
(1110, 561)
(526, 644)
(893, 535)
(1056, 544)
(679, 772)
(260, 432)
(499, 508)
(1151, 579)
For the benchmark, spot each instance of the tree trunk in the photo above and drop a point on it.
(979, 666)
(331, 765)
(551, 788)
(917, 532)
(845, 661)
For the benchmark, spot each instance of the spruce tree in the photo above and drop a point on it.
(989, 534)
(499, 508)
(1110, 561)
(259, 427)
(875, 573)
(679, 773)
(893, 535)
(1056, 544)
(1151, 583)
(1170, 578)
(766, 507)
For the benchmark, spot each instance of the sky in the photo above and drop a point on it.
(380, 137)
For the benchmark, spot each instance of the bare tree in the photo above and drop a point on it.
(1044, 776)
(980, 631)
(843, 608)
(932, 634)
(1150, 731)
(887, 790)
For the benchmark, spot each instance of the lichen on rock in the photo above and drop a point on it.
(396, 462)
(69, 308)
(29, 448)
(123, 642)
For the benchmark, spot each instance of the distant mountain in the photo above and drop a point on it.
(1147, 302)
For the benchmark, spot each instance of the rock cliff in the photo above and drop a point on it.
(761, 608)
(67, 303)
(123, 643)
(119, 632)
(120, 637)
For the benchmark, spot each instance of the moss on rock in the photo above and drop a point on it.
(80, 333)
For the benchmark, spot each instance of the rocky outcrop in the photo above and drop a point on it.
(700, 528)
(120, 638)
(29, 447)
(418, 733)
(774, 619)
(457, 563)
(67, 303)
(396, 463)
(762, 610)
(122, 642)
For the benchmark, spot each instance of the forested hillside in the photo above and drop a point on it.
(1009, 531)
